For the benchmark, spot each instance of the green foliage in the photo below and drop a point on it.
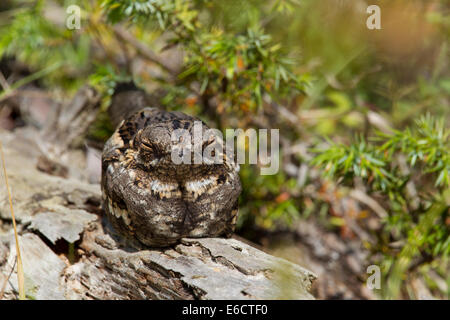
(422, 227)
(34, 39)
(427, 145)
(105, 78)
(236, 68)
(268, 201)
(174, 14)
(357, 160)
(249, 64)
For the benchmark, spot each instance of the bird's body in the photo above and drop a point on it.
(150, 198)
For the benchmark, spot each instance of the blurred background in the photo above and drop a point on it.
(363, 115)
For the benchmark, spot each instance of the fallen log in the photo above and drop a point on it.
(70, 252)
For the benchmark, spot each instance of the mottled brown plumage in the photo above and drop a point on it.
(150, 198)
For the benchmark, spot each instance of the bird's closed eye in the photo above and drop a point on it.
(152, 149)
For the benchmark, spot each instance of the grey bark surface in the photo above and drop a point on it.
(53, 212)
(68, 123)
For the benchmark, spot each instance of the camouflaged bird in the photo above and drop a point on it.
(150, 198)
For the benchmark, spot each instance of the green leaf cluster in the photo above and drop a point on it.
(389, 164)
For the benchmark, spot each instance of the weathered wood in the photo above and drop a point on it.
(68, 124)
(62, 223)
(52, 211)
(43, 269)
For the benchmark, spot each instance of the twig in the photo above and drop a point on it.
(11, 90)
(368, 201)
(286, 114)
(3, 82)
(20, 276)
(142, 49)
